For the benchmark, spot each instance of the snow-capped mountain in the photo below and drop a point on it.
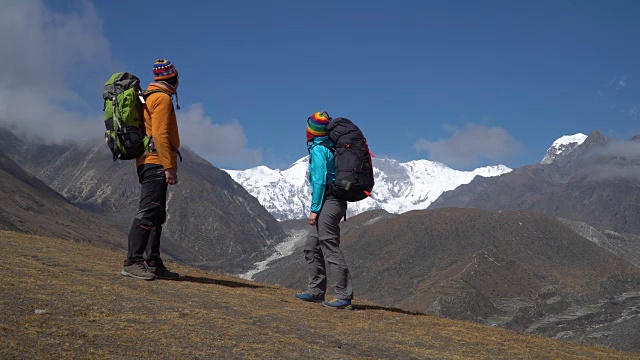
(400, 187)
(562, 147)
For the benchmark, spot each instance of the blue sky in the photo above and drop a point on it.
(467, 83)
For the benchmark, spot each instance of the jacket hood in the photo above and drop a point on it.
(162, 86)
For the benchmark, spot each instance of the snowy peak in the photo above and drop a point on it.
(570, 139)
(562, 147)
(399, 187)
(489, 171)
(262, 175)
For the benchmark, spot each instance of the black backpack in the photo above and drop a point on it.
(354, 170)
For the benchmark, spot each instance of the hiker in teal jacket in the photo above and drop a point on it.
(325, 213)
(322, 170)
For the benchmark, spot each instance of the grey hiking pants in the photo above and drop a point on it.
(323, 244)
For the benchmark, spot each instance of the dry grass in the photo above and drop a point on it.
(90, 311)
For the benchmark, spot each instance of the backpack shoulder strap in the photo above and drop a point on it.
(324, 143)
(329, 145)
(146, 93)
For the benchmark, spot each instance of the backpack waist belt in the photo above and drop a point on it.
(152, 149)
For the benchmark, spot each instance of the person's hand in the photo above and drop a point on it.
(172, 176)
(313, 219)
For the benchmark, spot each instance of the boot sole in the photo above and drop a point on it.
(124, 273)
(310, 300)
(346, 307)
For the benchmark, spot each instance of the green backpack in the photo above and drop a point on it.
(123, 101)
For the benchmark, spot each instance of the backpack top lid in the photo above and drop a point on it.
(339, 127)
(118, 83)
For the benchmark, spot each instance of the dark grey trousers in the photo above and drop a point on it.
(144, 236)
(323, 244)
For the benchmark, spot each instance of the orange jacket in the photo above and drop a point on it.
(160, 121)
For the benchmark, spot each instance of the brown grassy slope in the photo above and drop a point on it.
(90, 311)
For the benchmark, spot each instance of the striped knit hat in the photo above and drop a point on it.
(317, 125)
(163, 69)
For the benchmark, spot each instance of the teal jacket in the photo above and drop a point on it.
(322, 170)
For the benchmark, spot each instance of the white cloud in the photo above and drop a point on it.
(621, 83)
(629, 150)
(616, 160)
(633, 112)
(221, 144)
(35, 118)
(471, 146)
(617, 82)
(43, 49)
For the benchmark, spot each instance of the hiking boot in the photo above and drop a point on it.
(161, 272)
(337, 303)
(138, 271)
(305, 296)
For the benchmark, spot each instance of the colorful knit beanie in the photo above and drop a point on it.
(317, 125)
(163, 69)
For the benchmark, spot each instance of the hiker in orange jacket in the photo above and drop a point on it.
(156, 169)
(160, 121)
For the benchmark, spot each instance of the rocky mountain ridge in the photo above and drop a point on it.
(516, 269)
(597, 183)
(32, 207)
(212, 221)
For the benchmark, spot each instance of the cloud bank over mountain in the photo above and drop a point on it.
(52, 76)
